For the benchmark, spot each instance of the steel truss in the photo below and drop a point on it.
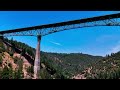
(45, 31)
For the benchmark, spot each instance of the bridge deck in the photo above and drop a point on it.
(63, 23)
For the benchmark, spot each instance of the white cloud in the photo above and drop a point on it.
(55, 43)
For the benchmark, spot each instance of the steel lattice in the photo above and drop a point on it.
(52, 29)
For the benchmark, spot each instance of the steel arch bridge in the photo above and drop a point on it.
(43, 30)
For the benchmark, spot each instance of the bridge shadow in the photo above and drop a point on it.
(29, 59)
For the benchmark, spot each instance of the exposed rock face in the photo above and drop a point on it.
(82, 75)
(26, 64)
(9, 61)
(79, 76)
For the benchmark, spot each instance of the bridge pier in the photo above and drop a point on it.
(37, 59)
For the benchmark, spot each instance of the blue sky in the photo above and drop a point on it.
(93, 40)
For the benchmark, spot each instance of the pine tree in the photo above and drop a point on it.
(7, 73)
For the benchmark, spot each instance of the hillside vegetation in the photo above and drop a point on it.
(17, 59)
(67, 65)
(107, 68)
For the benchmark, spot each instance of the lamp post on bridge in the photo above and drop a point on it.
(37, 59)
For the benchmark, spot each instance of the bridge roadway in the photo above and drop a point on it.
(80, 21)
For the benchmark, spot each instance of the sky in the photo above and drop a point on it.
(99, 40)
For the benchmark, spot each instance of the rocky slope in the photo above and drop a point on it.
(17, 55)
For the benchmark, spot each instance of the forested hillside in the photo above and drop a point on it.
(53, 65)
(68, 64)
(107, 68)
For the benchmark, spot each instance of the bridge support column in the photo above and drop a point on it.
(37, 59)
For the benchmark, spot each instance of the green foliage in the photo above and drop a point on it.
(18, 74)
(1, 60)
(24, 47)
(30, 69)
(20, 64)
(15, 59)
(6, 73)
(11, 53)
(108, 68)
(44, 74)
(66, 65)
(2, 48)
